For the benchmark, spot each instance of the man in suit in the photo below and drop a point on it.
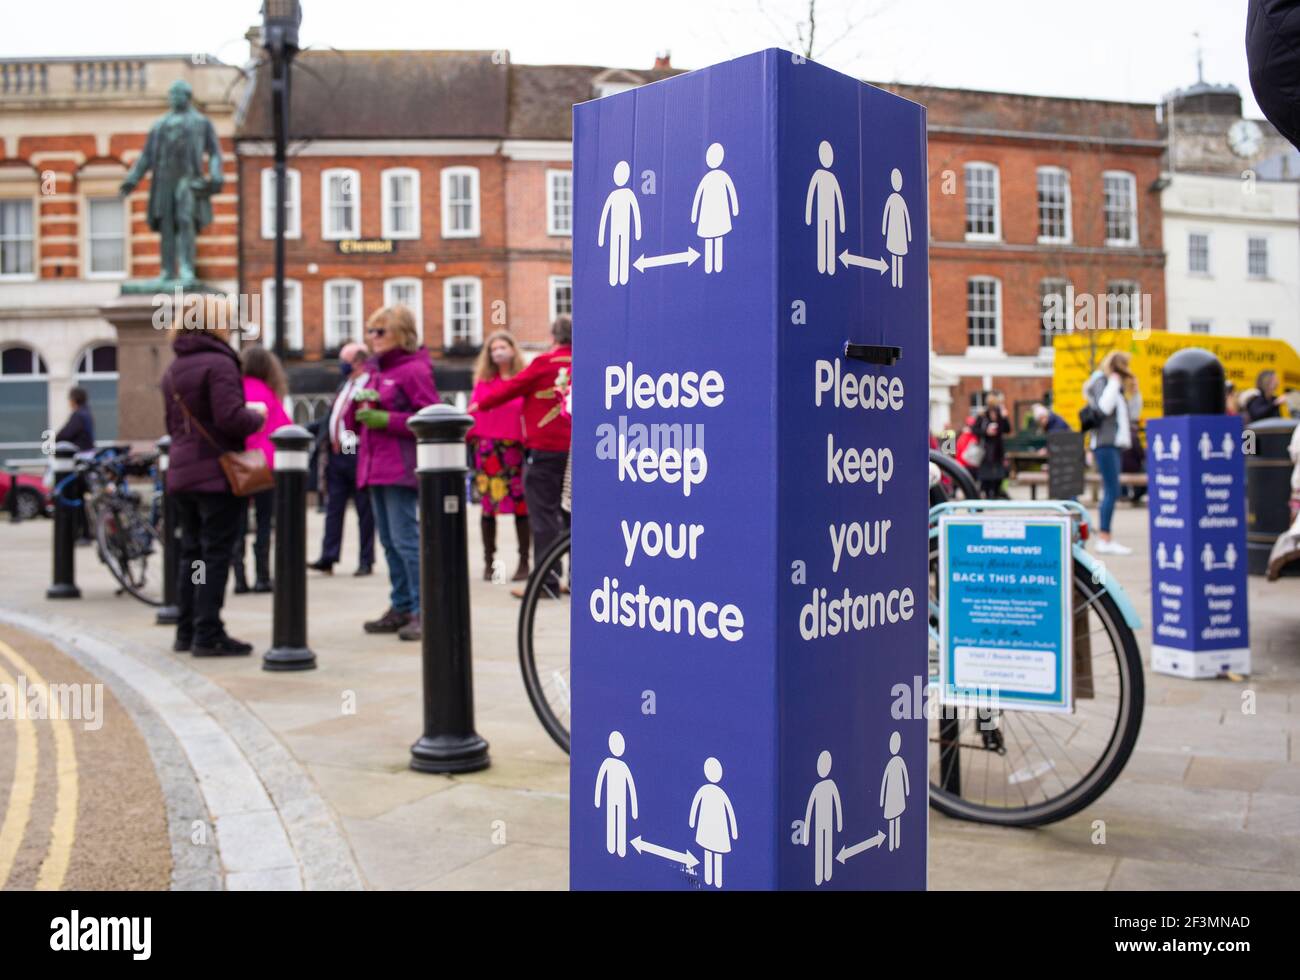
(340, 445)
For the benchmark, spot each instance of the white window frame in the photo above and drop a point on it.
(1266, 324)
(553, 283)
(1206, 321)
(996, 347)
(293, 341)
(1133, 289)
(1251, 239)
(386, 202)
(552, 228)
(475, 202)
(418, 308)
(292, 204)
(982, 236)
(1067, 312)
(39, 368)
(35, 237)
(327, 230)
(1131, 179)
(476, 338)
(1068, 222)
(92, 374)
(331, 340)
(1208, 271)
(87, 210)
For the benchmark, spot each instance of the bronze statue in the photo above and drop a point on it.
(180, 195)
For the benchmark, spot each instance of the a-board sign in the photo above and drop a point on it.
(1197, 513)
(1065, 465)
(749, 501)
(1007, 627)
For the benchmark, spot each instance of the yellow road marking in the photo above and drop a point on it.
(24, 786)
(63, 830)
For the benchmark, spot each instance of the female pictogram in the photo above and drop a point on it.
(714, 206)
(896, 226)
(714, 821)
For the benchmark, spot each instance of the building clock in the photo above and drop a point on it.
(1245, 138)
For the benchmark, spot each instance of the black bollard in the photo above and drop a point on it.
(67, 515)
(289, 650)
(168, 612)
(449, 742)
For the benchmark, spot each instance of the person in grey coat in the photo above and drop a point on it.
(1112, 390)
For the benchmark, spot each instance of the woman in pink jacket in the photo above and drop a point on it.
(497, 441)
(400, 384)
(264, 383)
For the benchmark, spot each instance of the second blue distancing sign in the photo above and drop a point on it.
(750, 548)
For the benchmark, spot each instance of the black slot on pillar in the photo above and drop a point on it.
(289, 650)
(168, 612)
(449, 742)
(67, 511)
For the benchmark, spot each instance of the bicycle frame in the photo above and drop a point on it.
(1077, 512)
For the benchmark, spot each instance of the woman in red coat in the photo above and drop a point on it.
(497, 440)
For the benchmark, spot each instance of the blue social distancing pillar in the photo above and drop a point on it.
(750, 508)
(1198, 546)
(1197, 514)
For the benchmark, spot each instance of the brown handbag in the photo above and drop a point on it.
(247, 470)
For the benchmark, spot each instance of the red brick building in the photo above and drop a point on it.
(438, 179)
(70, 129)
(1030, 197)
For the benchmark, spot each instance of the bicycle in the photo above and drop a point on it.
(543, 636)
(1029, 768)
(127, 527)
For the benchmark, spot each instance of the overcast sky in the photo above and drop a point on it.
(1134, 50)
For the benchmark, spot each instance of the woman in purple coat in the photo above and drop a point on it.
(401, 383)
(203, 395)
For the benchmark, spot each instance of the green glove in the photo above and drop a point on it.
(373, 418)
(365, 395)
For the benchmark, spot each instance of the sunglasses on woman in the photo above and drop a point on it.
(375, 331)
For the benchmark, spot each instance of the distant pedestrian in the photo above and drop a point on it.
(79, 429)
(1112, 390)
(339, 444)
(1262, 401)
(264, 384)
(400, 383)
(968, 451)
(207, 415)
(1049, 421)
(548, 430)
(991, 429)
(497, 441)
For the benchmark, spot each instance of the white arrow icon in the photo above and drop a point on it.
(856, 849)
(686, 858)
(848, 258)
(672, 258)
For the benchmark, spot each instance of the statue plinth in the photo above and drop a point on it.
(142, 316)
(151, 287)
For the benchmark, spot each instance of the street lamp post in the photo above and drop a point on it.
(280, 21)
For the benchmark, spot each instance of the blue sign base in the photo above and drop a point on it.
(750, 505)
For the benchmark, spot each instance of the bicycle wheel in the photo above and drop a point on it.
(1028, 768)
(129, 544)
(957, 483)
(544, 640)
